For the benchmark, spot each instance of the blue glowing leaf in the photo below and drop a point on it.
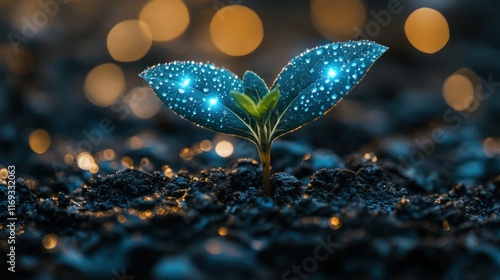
(200, 93)
(316, 80)
(254, 86)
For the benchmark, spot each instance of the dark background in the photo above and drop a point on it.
(399, 102)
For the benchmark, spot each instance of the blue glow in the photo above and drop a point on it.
(186, 82)
(332, 73)
(213, 101)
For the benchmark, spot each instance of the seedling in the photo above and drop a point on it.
(308, 87)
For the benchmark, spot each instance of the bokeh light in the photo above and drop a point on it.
(4, 173)
(167, 19)
(214, 247)
(427, 30)
(127, 161)
(135, 142)
(49, 241)
(85, 161)
(68, 159)
(143, 102)
(186, 154)
(490, 147)
(108, 154)
(129, 40)
(460, 89)
(39, 141)
(335, 222)
(206, 145)
(104, 84)
(236, 30)
(338, 19)
(222, 231)
(224, 149)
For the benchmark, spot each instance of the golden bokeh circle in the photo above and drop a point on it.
(462, 90)
(236, 30)
(338, 19)
(167, 19)
(129, 40)
(39, 141)
(104, 84)
(427, 30)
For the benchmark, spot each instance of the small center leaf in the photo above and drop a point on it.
(246, 104)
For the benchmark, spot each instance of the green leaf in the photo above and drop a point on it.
(254, 86)
(246, 104)
(267, 104)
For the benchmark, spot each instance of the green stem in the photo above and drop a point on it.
(265, 158)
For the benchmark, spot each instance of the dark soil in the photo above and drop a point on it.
(370, 219)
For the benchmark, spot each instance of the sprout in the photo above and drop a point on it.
(308, 87)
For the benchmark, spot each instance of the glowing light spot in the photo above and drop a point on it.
(335, 222)
(4, 173)
(206, 145)
(104, 84)
(427, 30)
(108, 154)
(332, 73)
(338, 19)
(85, 161)
(213, 247)
(446, 225)
(143, 102)
(370, 157)
(186, 82)
(39, 141)
(145, 162)
(49, 241)
(129, 40)
(135, 142)
(127, 162)
(222, 231)
(94, 168)
(257, 244)
(121, 219)
(186, 154)
(236, 30)
(224, 149)
(490, 147)
(460, 88)
(213, 101)
(168, 172)
(167, 19)
(68, 159)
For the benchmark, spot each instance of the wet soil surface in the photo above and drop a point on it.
(363, 217)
